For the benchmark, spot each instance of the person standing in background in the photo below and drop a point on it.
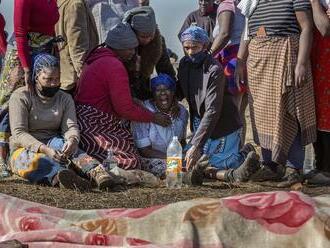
(33, 34)
(77, 26)
(281, 95)
(227, 36)
(108, 13)
(205, 17)
(321, 76)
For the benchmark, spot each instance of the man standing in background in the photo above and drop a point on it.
(77, 26)
(205, 17)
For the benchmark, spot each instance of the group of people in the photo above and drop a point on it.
(83, 79)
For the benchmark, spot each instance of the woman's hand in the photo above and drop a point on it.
(162, 119)
(240, 73)
(70, 147)
(53, 154)
(192, 156)
(300, 75)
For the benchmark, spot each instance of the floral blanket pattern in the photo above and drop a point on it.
(271, 220)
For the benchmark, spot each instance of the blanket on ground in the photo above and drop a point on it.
(274, 219)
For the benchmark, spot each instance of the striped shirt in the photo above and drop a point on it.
(277, 17)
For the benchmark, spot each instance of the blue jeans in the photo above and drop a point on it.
(224, 153)
(296, 154)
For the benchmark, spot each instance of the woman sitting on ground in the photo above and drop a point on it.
(105, 104)
(214, 116)
(151, 139)
(45, 133)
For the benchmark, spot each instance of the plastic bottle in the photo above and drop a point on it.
(174, 164)
(4, 173)
(309, 162)
(109, 163)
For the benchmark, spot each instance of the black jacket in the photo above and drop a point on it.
(214, 105)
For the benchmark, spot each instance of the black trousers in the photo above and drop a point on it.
(322, 151)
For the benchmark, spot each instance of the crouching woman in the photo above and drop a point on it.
(45, 132)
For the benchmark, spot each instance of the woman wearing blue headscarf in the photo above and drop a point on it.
(45, 133)
(214, 116)
(151, 139)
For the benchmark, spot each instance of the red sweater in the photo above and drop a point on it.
(3, 41)
(33, 16)
(104, 85)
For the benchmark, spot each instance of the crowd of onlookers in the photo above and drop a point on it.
(82, 79)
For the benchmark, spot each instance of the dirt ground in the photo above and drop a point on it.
(135, 197)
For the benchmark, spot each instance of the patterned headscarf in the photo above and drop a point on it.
(43, 61)
(195, 33)
(163, 79)
(122, 37)
(141, 19)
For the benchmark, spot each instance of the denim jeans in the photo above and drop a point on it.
(296, 155)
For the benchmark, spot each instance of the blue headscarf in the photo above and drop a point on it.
(195, 33)
(43, 61)
(163, 79)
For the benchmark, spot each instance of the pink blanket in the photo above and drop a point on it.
(275, 219)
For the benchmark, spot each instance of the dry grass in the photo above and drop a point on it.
(136, 197)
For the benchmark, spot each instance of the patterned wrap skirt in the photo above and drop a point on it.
(12, 77)
(101, 132)
(278, 108)
(39, 168)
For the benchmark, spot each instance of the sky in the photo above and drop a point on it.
(170, 16)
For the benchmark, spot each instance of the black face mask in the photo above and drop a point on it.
(48, 91)
(198, 57)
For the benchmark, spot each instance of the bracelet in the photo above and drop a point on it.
(210, 51)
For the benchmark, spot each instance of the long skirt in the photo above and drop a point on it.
(278, 108)
(101, 132)
(12, 77)
(39, 168)
(321, 76)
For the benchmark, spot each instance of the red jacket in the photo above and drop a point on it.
(3, 41)
(104, 84)
(33, 16)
